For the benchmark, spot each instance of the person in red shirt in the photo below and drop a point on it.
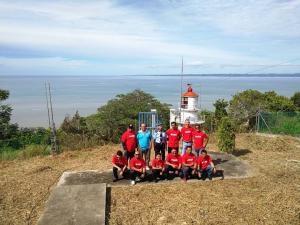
(200, 139)
(206, 167)
(129, 142)
(137, 168)
(119, 165)
(189, 164)
(158, 167)
(187, 136)
(173, 137)
(173, 163)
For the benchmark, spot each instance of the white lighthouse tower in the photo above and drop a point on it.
(188, 108)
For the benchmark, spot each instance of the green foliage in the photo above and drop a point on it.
(244, 106)
(280, 123)
(7, 130)
(112, 119)
(296, 99)
(209, 118)
(28, 152)
(220, 109)
(74, 125)
(226, 135)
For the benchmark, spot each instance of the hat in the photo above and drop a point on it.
(130, 126)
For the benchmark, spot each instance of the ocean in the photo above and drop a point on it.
(87, 93)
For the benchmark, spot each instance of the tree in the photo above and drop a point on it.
(296, 99)
(6, 129)
(226, 135)
(220, 109)
(113, 118)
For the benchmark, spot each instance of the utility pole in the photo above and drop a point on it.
(54, 144)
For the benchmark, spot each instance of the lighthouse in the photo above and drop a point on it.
(188, 108)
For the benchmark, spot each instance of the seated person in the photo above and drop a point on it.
(119, 164)
(206, 166)
(158, 167)
(137, 168)
(189, 164)
(173, 163)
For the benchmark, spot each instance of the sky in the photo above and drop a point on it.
(116, 37)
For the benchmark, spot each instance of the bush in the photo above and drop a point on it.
(9, 153)
(226, 135)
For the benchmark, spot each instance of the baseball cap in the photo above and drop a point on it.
(130, 126)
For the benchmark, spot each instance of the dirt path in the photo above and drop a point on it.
(270, 197)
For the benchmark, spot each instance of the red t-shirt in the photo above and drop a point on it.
(174, 159)
(198, 137)
(173, 137)
(121, 162)
(187, 134)
(137, 163)
(203, 162)
(129, 138)
(158, 163)
(189, 158)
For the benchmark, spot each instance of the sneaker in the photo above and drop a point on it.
(147, 168)
(210, 177)
(133, 182)
(138, 179)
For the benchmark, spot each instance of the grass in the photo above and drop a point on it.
(26, 153)
(271, 196)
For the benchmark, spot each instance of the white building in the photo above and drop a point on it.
(188, 109)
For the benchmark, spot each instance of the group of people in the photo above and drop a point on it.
(192, 162)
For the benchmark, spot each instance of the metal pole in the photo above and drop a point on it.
(47, 105)
(180, 99)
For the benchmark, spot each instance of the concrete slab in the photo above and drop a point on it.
(228, 166)
(75, 205)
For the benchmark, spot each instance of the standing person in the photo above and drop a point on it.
(159, 139)
(206, 167)
(129, 142)
(137, 168)
(173, 137)
(119, 164)
(200, 139)
(144, 138)
(173, 163)
(187, 136)
(158, 167)
(189, 164)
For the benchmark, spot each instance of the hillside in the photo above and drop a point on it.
(271, 196)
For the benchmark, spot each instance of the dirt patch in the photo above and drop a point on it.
(271, 196)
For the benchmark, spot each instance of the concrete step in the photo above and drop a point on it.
(75, 205)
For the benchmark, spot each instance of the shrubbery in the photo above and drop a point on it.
(226, 135)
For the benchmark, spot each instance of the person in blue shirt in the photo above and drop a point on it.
(144, 138)
(160, 139)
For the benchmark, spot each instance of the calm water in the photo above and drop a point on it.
(87, 93)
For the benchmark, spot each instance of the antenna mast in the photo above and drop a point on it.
(180, 102)
(54, 145)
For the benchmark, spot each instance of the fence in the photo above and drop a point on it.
(278, 123)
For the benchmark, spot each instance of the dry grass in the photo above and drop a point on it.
(270, 197)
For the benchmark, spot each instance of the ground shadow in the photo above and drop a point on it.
(219, 161)
(240, 152)
(108, 205)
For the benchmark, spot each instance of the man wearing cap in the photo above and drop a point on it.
(187, 136)
(173, 137)
(159, 139)
(200, 139)
(129, 142)
(144, 138)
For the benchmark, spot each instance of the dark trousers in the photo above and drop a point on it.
(128, 155)
(160, 148)
(170, 168)
(115, 173)
(207, 172)
(156, 173)
(134, 174)
(187, 171)
(170, 149)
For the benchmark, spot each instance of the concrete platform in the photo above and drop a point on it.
(228, 167)
(75, 205)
